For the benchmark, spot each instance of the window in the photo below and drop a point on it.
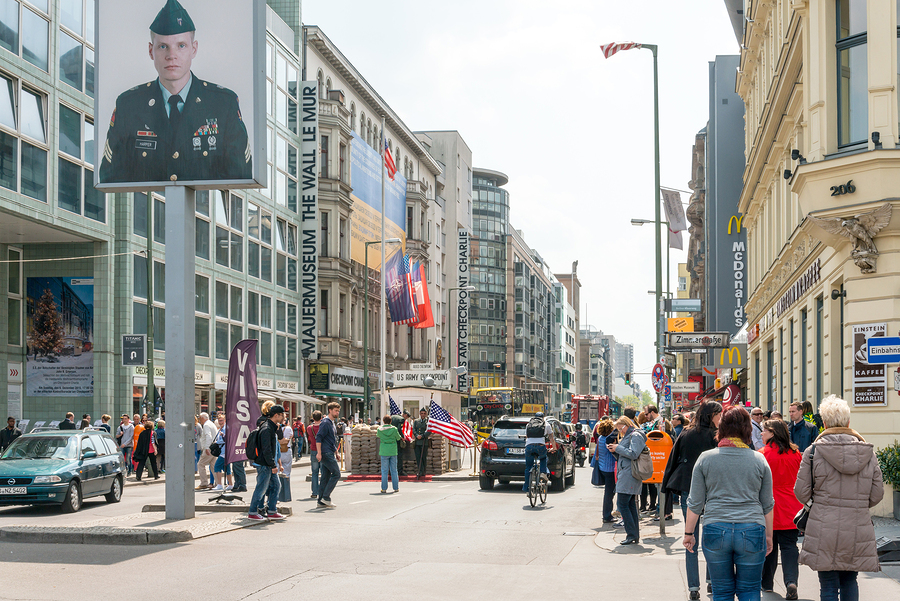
(820, 348)
(76, 44)
(286, 261)
(323, 234)
(75, 164)
(229, 318)
(344, 249)
(259, 245)
(853, 86)
(23, 140)
(29, 25)
(323, 313)
(286, 174)
(343, 163)
(803, 351)
(14, 297)
(140, 295)
(201, 225)
(259, 320)
(286, 92)
(140, 215)
(201, 315)
(323, 156)
(229, 227)
(286, 340)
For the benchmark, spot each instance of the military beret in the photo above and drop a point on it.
(172, 19)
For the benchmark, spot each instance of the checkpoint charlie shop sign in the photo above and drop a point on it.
(335, 379)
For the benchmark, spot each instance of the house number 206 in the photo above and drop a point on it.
(847, 188)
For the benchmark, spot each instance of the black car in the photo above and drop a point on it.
(503, 454)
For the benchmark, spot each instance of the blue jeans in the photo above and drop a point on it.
(628, 508)
(265, 481)
(389, 465)
(128, 467)
(831, 582)
(735, 553)
(240, 476)
(532, 451)
(314, 464)
(692, 559)
(330, 474)
(609, 491)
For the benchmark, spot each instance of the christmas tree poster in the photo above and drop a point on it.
(60, 326)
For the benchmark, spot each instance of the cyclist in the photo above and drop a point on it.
(537, 433)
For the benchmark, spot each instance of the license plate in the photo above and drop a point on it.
(515, 451)
(13, 490)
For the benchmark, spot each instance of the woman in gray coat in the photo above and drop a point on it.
(631, 442)
(840, 537)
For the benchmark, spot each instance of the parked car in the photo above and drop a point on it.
(503, 454)
(61, 467)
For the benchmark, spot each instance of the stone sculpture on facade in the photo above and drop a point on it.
(696, 208)
(862, 229)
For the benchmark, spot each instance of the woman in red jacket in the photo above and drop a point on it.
(784, 461)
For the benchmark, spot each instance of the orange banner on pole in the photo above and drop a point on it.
(680, 324)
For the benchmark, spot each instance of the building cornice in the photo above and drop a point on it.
(325, 47)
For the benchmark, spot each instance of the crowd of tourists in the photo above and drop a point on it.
(749, 478)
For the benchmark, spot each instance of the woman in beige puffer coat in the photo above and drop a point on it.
(840, 536)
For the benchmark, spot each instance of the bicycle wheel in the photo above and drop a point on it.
(543, 492)
(534, 483)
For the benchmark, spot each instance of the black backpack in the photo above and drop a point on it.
(535, 428)
(252, 446)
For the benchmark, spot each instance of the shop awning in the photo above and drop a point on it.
(266, 396)
(342, 395)
(300, 398)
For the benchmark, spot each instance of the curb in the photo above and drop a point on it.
(242, 508)
(93, 535)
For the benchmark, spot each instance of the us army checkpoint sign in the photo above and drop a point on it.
(209, 60)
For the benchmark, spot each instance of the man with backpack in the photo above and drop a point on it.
(326, 450)
(537, 433)
(261, 446)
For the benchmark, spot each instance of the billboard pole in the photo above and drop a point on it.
(381, 293)
(151, 390)
(180, 231)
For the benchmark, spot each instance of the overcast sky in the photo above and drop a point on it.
(525, 84)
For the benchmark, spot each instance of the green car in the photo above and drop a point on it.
(61, 467)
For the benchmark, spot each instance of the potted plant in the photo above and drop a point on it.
(889, 462)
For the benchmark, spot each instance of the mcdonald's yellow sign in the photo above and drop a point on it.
(733, 357)
(736, 221)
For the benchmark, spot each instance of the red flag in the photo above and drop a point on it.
(424, 303)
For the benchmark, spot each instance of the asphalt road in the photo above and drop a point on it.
(431, 541)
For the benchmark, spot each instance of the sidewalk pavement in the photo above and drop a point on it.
(881, 585)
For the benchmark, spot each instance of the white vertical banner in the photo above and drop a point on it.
(309, 219)
(462, 310)
(674, 210)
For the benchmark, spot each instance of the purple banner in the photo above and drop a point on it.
(241, 400)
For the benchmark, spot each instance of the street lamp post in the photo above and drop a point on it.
(366, 318)
(450, 324)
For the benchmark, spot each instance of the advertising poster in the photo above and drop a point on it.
(365, 172)
(205, 58)
(60, 337)
(870, 383)
(241, 400)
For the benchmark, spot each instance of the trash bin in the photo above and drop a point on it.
(660, 445)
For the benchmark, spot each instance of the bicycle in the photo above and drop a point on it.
(537, 486)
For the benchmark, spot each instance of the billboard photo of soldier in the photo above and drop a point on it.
(179, 83)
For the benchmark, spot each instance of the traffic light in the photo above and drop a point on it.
(628, 378)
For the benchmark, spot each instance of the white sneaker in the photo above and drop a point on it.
(218, 488)
(229, 487)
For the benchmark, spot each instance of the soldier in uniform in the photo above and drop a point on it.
(177, 127)
(421, 436)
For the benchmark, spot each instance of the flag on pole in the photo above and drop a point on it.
(610, 49)
(389, 161)
(674, 209)
(407, 430)
(409, 297)
(675, 240)
(395, 410)
(397, 291)
(426, 317)
(441, 422)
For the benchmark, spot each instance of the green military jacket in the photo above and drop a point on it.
(420, 428)
(207, 142)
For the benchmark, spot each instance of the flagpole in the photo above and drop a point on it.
(383, 315)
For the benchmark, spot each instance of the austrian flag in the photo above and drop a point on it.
(610, 49)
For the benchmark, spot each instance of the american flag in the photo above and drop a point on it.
(406, 279)
(407, 426)
(446, 425)
(610, 49)
(389, 161)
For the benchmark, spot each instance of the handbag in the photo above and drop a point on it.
(802, 517)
